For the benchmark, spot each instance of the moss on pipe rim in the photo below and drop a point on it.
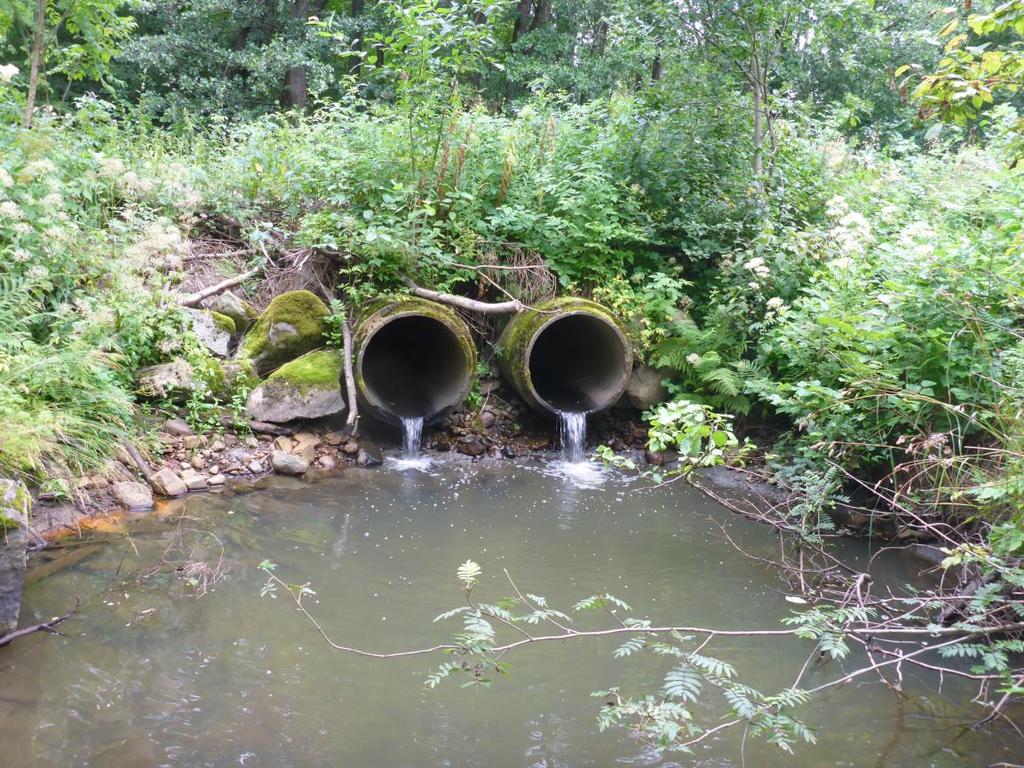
(517, 342)
(375, 317)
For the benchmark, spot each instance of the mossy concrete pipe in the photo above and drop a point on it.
(413, 358)
(566, 354)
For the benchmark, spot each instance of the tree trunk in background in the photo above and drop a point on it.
(36, 65)
(298, 91)
(524, 17)
(656, 68)
(357, 40)
(542, 15)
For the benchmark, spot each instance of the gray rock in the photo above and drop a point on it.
(238, 309)
(327, 462)
(175, 379)
(166, 483)
(645, 389)
(15, 507)
(487, 419)
(177, 428)
(135, 496)
(369, 455)
(216, 480)
(288, 463)
(213, 330)
(193, 480)
(266, 428)
(306, 388)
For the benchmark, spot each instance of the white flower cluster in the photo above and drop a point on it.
(759, 270)
(850, 232)
(160, 240)
(775, 308)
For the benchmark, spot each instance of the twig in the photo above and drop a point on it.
(352, 420)
(193, 299)
(46, 626)
(471, 305)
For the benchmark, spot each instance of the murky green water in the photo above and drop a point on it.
(146, 675)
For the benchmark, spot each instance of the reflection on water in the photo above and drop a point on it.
(147, 676)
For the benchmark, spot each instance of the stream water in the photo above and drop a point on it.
(148, 675)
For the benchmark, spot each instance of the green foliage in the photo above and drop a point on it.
(983, 60)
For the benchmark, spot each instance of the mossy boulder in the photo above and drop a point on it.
(292, 325)
(241, 312)
(308, 387)
(213, 330)
(226, 377)
(175, 380)
(15, 507)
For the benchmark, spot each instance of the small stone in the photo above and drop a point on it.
(252, 442)
(306, 438)
(265, 428)
(99, 482)
(256, 467)
(165, 438)
(334, 438)
(191, 442)
(193, 480)
(364, 459)
(217, 479)
(487, 419)
(134, 496)
(288, 463)
(327, 462)
(177, 427)
(231, 440)
(213, 469)
(283, 443)
(351, 448)
(166, 483)
(218, 446)
(471, 446)
(198, 462)
(495, 452)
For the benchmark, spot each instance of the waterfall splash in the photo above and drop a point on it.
(412, 434)
(572, 434)
(410, 458)
(573, 466)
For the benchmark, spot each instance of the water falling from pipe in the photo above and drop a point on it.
(412, 434)
(572, 434)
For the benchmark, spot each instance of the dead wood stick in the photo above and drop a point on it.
(352, 420)
(472, 305)
(45, 626)
(192, 299)
(137, 459)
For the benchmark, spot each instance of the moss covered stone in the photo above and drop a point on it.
(292, 325)
(308, 387)
(242, 313)
(213, 330)
(15, 508)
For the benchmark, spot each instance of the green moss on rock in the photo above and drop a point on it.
(319, 369)
(292, 325)
(223, 322)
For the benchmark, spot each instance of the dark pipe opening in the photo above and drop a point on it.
(414, 366)
(578, 364)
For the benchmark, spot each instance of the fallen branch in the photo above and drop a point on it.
(192, 299)
(352, 420)
(139, 462)
(46, 626)
(471, 305)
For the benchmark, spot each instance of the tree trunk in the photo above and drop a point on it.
(542, 15)
(757, 88)
(356, 66)
(656, 69)
(36, 65)
(524, 17)
(298, 92)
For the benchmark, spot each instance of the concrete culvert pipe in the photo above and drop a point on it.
(413, 359)
(568, 355)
